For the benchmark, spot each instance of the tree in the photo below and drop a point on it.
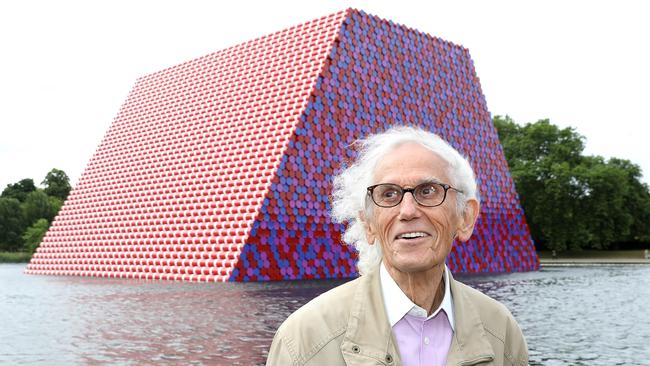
(12, 224)
(541, 158)
(57, 184)
(540, 142)
(55, 206)
(573, 201)
(34, 235)
(637, 200)
(602, 204)
(19, 190)
(38, 205)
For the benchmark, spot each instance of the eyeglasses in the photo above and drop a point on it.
(429, 194)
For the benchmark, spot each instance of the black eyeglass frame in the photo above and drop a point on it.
(445, 186)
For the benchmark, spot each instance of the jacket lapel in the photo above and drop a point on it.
(470, 344)
(369, 337)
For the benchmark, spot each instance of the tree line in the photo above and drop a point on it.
(574, 201)
(26, 211)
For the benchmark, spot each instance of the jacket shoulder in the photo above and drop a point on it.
(491, 311)
(499, 324)
(328, 309)
(315, 325)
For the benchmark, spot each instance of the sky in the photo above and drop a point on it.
(66, 67)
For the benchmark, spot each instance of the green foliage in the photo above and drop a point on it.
(57, 184)
(573, 201)
(637, 200)
(55, 206)
(19, 190)
(34, 234)
(38, 205)
(12, 224)
(26, 211)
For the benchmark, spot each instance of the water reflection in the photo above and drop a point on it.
(73, 320)
(570, 316)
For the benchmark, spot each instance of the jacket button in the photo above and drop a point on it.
(389, 358)
(356, 349)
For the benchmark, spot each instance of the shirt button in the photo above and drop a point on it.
(426, 340)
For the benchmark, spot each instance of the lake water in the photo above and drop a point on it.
(569, 315)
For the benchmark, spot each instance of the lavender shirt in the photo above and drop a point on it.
(421, 339)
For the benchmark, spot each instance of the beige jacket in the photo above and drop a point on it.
(348, 326)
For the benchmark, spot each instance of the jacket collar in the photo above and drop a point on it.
(369, 338)
(397, 304)
(470, 343)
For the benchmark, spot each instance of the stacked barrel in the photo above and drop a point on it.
(220, 168)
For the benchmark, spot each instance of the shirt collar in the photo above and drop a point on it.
(397, 304)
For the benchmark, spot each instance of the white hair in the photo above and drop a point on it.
(349, 195)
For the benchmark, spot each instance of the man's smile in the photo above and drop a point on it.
(412, 235)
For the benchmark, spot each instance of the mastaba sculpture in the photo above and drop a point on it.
(220, 168)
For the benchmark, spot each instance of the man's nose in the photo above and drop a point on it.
(408, 208)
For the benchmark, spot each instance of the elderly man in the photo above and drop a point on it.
(406, 199)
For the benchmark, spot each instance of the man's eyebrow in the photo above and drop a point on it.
(422, 181)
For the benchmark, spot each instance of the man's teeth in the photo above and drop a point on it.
(411, 235)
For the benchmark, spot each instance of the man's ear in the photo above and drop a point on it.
(370, 231)
(468, 219)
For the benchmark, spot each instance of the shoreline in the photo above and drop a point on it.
(594, 258)
(565, 262)
(15, 257)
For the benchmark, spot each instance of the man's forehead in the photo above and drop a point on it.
(411, 181)
(413, 164)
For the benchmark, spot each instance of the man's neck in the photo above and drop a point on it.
(425, 289)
